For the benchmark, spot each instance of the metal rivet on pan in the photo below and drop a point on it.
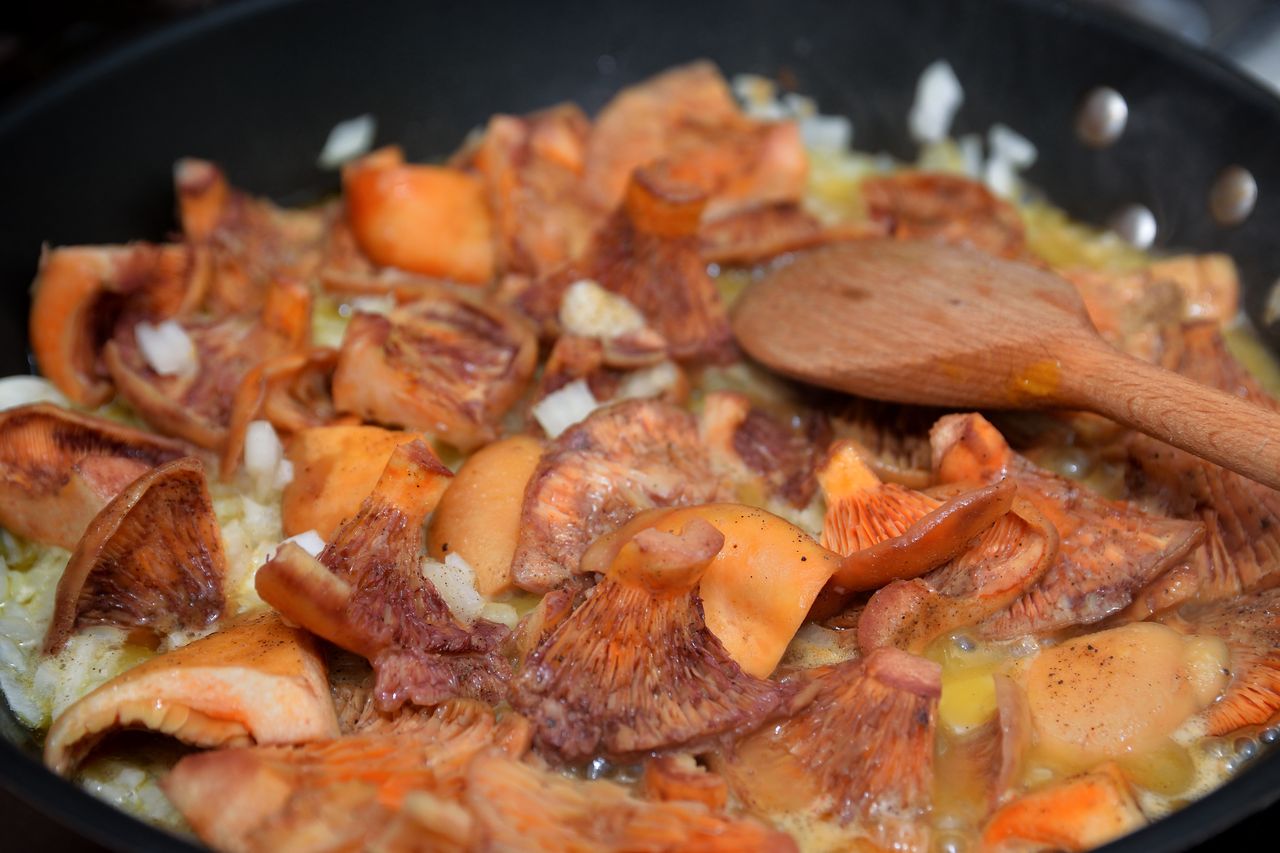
(1102, 117)
(1234, 195)
(1136, 224)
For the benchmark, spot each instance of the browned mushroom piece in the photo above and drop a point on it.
(258, 798)
(597, 474)
(517, 806)
(82, 292)
(680, 777)
(1108, 550)
(893, 439)
(1250, 626)
(1073, 815)
(757, 234)
(366, 593)
(532, 172)
(58, 468)
(249, 243)
(151, 559)
(764, 456)
(888, 532)
(861, 751)
(255, 680)
(929, 205)
(635, 669)
(999, 566)
(1242, 548)
(446, 364)
(196, 404)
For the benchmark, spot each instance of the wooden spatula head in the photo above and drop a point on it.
(915, 322)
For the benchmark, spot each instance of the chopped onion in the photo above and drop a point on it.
(561, 409)
(308, 541)
(503, 614)
(348, 140)
(970, 146)
(588, 310)
(263, 454)
(1007, 144)
(826, 133)
(1000, 176)
(167, 348)
(455, 580)
(22, 390)
(649, 381)
(938, 98)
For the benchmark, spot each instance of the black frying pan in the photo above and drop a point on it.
(258, 85)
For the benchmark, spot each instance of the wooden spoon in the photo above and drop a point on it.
(923, 322)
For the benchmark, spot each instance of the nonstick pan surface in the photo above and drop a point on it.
(256, 86)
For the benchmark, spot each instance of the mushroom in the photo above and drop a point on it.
(635, 668)
(445, 364)
(861, 751)
(59, 468)
(597, 474)
(686, 120)
(1074, 815)
(366, 593)
(757, 234)
(254, 681)
(517, 806)
(765, 457)
(893, 439)
(1250, 627)
(1242, 548)
(531, 167)
(81, 292)
(252, 798)
(151, 559)
(248, 243)
(680, 777)
(951, 208)
(334, 470)
(194, 403)
(998, 567)
(1108, 551)
(888, 532)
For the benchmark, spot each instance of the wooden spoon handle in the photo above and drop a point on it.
(1212, 424)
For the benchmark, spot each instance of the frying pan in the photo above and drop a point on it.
(256, 86)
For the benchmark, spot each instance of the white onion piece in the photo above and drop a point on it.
(263, 454)
(308, 541)
(938, 98)
(590, 311)
(167, 348)
(23, 390)
(826, 133)
(348, 140)
(455, 580)
(1006, 143)
(561, 409)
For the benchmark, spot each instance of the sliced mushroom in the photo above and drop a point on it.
(861, 751)
(680, 777)
(254, 681)
(444, 364)
(432, 220)
(79, 295)
(757, 234)
(893, 439)
(254, 798)
(196, 404)
(334, 470)
(517, 806)
(531, 167)
(58, 468)
(1109, 550)
(888, 532)
(1077, 814)
(764, 456)
(635, 669)
(1242, 549)
(932, 205)
(596, 475)
(997, 568)
(1250, 626)
(366, 593)
(249, 243)
(151, 559)
(686, 119)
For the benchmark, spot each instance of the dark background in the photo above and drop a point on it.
(38, 41)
